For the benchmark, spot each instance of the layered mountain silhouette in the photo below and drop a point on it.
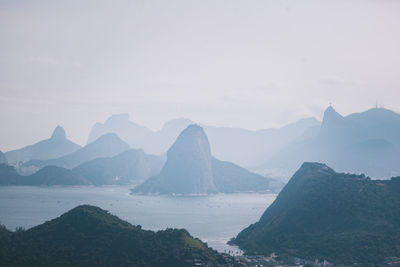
(130, 132)
(366, 142)
(129, 167)
(49, 175)
(343, 218)
(108, 145)
(243, 147)
(191, 169)
(90, 236)
(56, 146)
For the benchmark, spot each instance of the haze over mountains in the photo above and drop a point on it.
(366, 142)
(343, 218)
(191, 169)
(360, 142)
(244, 147)
(56, 146)
(108, 145)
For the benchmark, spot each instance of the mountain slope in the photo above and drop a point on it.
(90, 236)
(108, 145)
(56, 146)
(191, 169)
(339, 217)
(119, 124)
(188, 167)
(231, 178)
(49, 175)
(364, 142)
(125, 168)
(3, 159)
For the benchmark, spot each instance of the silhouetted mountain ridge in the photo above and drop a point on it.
(90, 236)
(343, 218)
(366, 142)
(191, 169)
(108, 145)
(56, 146)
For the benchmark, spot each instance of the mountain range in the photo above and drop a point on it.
(191, 169)
(244, 147)
(322, 214)
(366, 142)
(108, 145)
(90, 236)
(129, 167)
(56, 146)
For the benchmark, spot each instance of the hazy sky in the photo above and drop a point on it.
(251, 64)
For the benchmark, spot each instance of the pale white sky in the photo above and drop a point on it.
(251, 64)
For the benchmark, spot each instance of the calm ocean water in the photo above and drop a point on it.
(214, 219)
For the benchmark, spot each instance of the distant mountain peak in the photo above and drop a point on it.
(118, 118)
(330, 113)
(193, 136)
(188, 169)
(59, 133)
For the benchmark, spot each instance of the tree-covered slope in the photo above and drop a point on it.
(339, 217)
(90, 236)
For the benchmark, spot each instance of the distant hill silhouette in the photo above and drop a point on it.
(108, 145)
(343, 218)
(119, 124)
(244, 147)
(128, 167)
(366, 142)
(56, 146)
(90, 236)
(191, 169)
(125, 168)
(49, 175)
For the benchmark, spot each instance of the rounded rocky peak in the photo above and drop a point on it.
(193, 129)
(191, 141)
(59, 133)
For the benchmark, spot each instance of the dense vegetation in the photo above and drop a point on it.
(90, 236)
(339, 217)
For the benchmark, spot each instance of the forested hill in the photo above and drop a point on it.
(343, 218)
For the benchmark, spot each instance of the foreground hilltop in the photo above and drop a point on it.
(90, 236)
(191, 169)
(343, 218)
